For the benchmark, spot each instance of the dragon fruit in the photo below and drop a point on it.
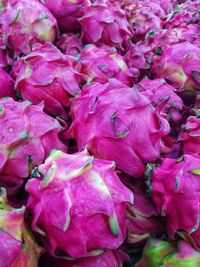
(27, 136)
(179, 64)
(162, 253)
(110, 258)
(24, 23)
(145, 17)
(184, 14)
(190, 135)
(158, 92)
(142, 220)
(79, 205)
(98, 64)
(105, 23)
(46, 75)
(167, 5)
(70, 44)
(6, 84)
(168, 37)
(139, 56)
(115, 121)
(174, 186)
(17, 246)
(67, 12)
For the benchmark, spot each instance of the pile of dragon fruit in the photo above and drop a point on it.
(99, 133)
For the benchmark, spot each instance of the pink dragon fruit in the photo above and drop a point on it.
(17, 246)
(70, 44)
(158, 92)
(179, 64)
(139, 56)
(167, 5)
(6, 84)
(98, 64)
(190, 135)
(144, 18)
(79, 205)
(115, 121)
(183, 33)
(109, 258)
(67, 12)
(184, 14)
(175, 192)
(142, 220)
(162, 253)
(46, 75)
(24, 23)
(105, 23)
(27, 136)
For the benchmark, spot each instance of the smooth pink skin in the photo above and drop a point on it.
(9, 249)
(103, 25)
(110, 258)
(163, 95)
(190, 135)
(74, 203)
(46, 75)
(25, 23)
(141, 220)
(109, 119)
(6, 85)
(67, 12)
(175, 191)
(179, 64)
(99, 64)
(70, 44)
(26, 130)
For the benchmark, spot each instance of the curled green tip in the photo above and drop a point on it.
(55, 153)
(3, 192)
(1, 110)
(96, 252)
(114, 226)
(195, 171)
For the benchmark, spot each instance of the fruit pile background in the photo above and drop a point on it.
(99, 133)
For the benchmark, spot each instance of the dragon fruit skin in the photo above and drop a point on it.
(6, 84)
(174, 186)
(17, 246)
(141, 220)
(67, 12)
(26, 22)
(139, 57)
(184, 14)
(190, 135)
(183, 33)
(86, 212)
(162, 253)
(46, 75)
(179, 64)
(143, 19)
(158, 91)
(27, 136)
(166, 5)
(70, 44)
(105, 23)
(109, 119)
(98, 64)
(110, 258)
